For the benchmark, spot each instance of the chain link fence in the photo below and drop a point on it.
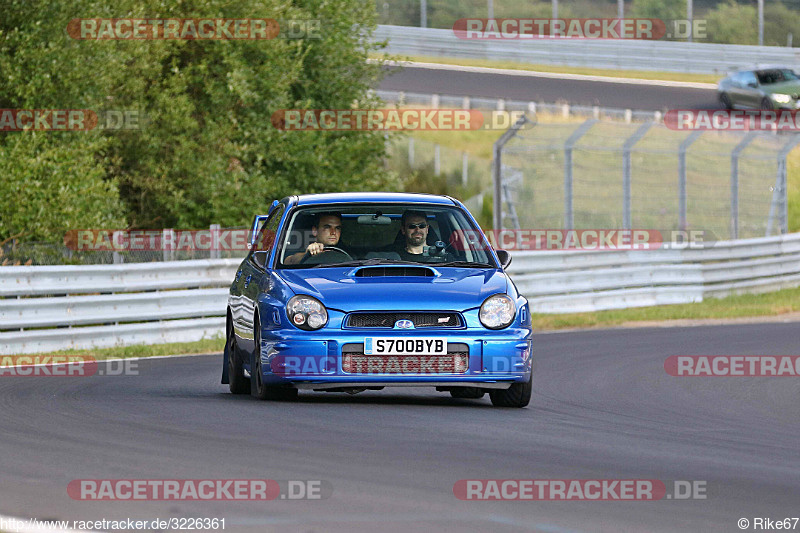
(600, 174)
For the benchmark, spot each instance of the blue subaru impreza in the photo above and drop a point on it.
(360, 291)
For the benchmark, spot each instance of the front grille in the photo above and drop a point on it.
(455, 362)
(387, 320)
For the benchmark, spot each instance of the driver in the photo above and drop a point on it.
(327, 229)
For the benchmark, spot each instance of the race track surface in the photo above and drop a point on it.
(603, 408)
(548, 90)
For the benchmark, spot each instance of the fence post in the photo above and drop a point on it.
(569, 144)
(437, 164)
(497, 170)
(735, 182)
(682, 222)
(779, 201)
(464, 168)
(626, 172)
(411, 152)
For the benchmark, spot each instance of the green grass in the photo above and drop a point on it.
(214, 345)
(739, 306)
(642, 74)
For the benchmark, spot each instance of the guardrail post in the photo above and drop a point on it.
(569, 144)
(497, 170)
(626, 172)
(214, 251)
(735, 182)
(682, 222)
(168, 244)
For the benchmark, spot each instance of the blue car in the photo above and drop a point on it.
(360, 291)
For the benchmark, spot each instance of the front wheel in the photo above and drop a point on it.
(766, 105)
(517, 395)
(261, 390)
(725, 100)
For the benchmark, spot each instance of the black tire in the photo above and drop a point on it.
(467, 393)
(766, 105)
(517, 395)
(725, 100)
(237, 382)
(258, 388)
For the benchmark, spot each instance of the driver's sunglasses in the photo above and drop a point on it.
(421, 225)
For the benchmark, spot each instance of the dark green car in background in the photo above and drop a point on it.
(769, 88)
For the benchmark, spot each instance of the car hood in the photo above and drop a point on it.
(449, 288)
(784, 87)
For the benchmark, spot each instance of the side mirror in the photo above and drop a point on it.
(258, 221)
(504, 257)
(752, 84)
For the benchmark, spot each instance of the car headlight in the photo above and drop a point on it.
(306, 312)
(782, 98)
(497, 312)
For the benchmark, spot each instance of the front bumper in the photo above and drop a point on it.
(311, 360)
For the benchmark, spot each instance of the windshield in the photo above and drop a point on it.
(767, 77)
(345, 235)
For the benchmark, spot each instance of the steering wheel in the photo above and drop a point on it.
(308, 257)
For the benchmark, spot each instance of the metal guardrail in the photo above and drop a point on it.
(581, 281)
(707, 58)
(565, 110)
(48, 309)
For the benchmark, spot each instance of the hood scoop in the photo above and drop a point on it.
(395, 272)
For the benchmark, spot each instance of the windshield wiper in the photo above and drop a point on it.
(465, 264)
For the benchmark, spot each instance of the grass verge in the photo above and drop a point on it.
(640, 74)
(740, 306)
(214, 345)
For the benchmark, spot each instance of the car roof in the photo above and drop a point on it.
(392, 197)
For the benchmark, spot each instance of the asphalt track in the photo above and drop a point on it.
(548, 90)
(603, 408)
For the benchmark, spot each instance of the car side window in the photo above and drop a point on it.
(266, 237)
(749, 79)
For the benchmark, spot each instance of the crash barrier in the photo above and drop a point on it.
(49, 308)
(565, 110)
(696, 57)
(571, 281)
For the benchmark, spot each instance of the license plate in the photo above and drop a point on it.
(405, 346)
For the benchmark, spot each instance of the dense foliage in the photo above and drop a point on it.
(207, 152)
